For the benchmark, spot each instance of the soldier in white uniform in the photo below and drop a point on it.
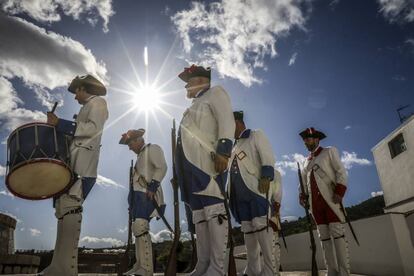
(326, 179)
(255, 196)
(203, 150)
(86, 131)
(149, 171)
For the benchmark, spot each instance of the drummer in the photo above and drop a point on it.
(86, 131)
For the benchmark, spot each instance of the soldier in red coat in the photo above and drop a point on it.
(326, 179)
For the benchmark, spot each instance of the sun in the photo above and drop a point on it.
(146, 98)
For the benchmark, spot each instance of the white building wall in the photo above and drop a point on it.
(397, 174)
(385, 248)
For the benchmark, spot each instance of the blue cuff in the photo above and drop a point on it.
(153, 186)
(67, 127)
(224, 147)
(268, 172)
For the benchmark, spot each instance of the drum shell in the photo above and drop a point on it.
(38, 144)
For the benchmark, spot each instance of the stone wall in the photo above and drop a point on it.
(7, 226)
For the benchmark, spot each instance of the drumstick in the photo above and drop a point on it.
(54, 107)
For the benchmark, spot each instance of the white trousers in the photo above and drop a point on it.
(143, 249)
(65, 254)
(212, 238)
(335, 249)
(266, 242)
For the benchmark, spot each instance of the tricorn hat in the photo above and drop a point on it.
(313, 133)
(238, 115)
(195, 71)
(131, 135)
(92, 85)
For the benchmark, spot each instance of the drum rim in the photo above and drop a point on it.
(26, 126)
(37, 160)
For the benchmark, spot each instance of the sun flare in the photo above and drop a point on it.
(146, 99)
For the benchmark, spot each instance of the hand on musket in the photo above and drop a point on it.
(52, 119)
(150, 195)
(173, 182)
(264, 185)
(221, 162)
(303, 200)
(336, 198)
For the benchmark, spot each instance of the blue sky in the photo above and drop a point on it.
(341, 66)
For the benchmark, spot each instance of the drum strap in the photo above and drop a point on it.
(74, 211)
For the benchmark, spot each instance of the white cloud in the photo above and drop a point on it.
(6, 193)
(398, 78)
(45, 98)
(48, 10)
(48, 61)
(34, 232)
(289, 218)
(123, 230)
(235, 36)
(163, 235)
(107, 182)
(378, 193)
(2, 168)
(289, 162)
(114, 251)
(95, 242)
(11, 115)
(292, 59)
(349, 159)
(401, 11)
(185, 236)
(347, 127)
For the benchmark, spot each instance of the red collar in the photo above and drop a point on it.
(315, 153)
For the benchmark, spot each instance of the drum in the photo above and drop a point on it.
(38, 159)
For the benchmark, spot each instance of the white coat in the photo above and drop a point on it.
(205, 123)
(150, 165)
(252, 153)
(86, 144)
(328, 171)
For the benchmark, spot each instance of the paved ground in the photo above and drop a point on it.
(293, 273)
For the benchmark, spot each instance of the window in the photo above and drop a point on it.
(397, 145)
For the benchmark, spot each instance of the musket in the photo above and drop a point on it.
(283, 235)
(54, 107)
(268, 209)
(310, 228)
(126, 260)
(232, 271)
(157, 207)
(159, 211)
(171, 269)
(342, 208)
(348, 221)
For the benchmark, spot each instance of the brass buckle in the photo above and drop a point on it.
(241, 155)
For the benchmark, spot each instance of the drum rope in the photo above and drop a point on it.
(56, 144)
(18, 148)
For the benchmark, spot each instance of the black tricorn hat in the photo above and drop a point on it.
(131, 135)
(238, 115)
(92, 85)
(195, 71)
(313, 133)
